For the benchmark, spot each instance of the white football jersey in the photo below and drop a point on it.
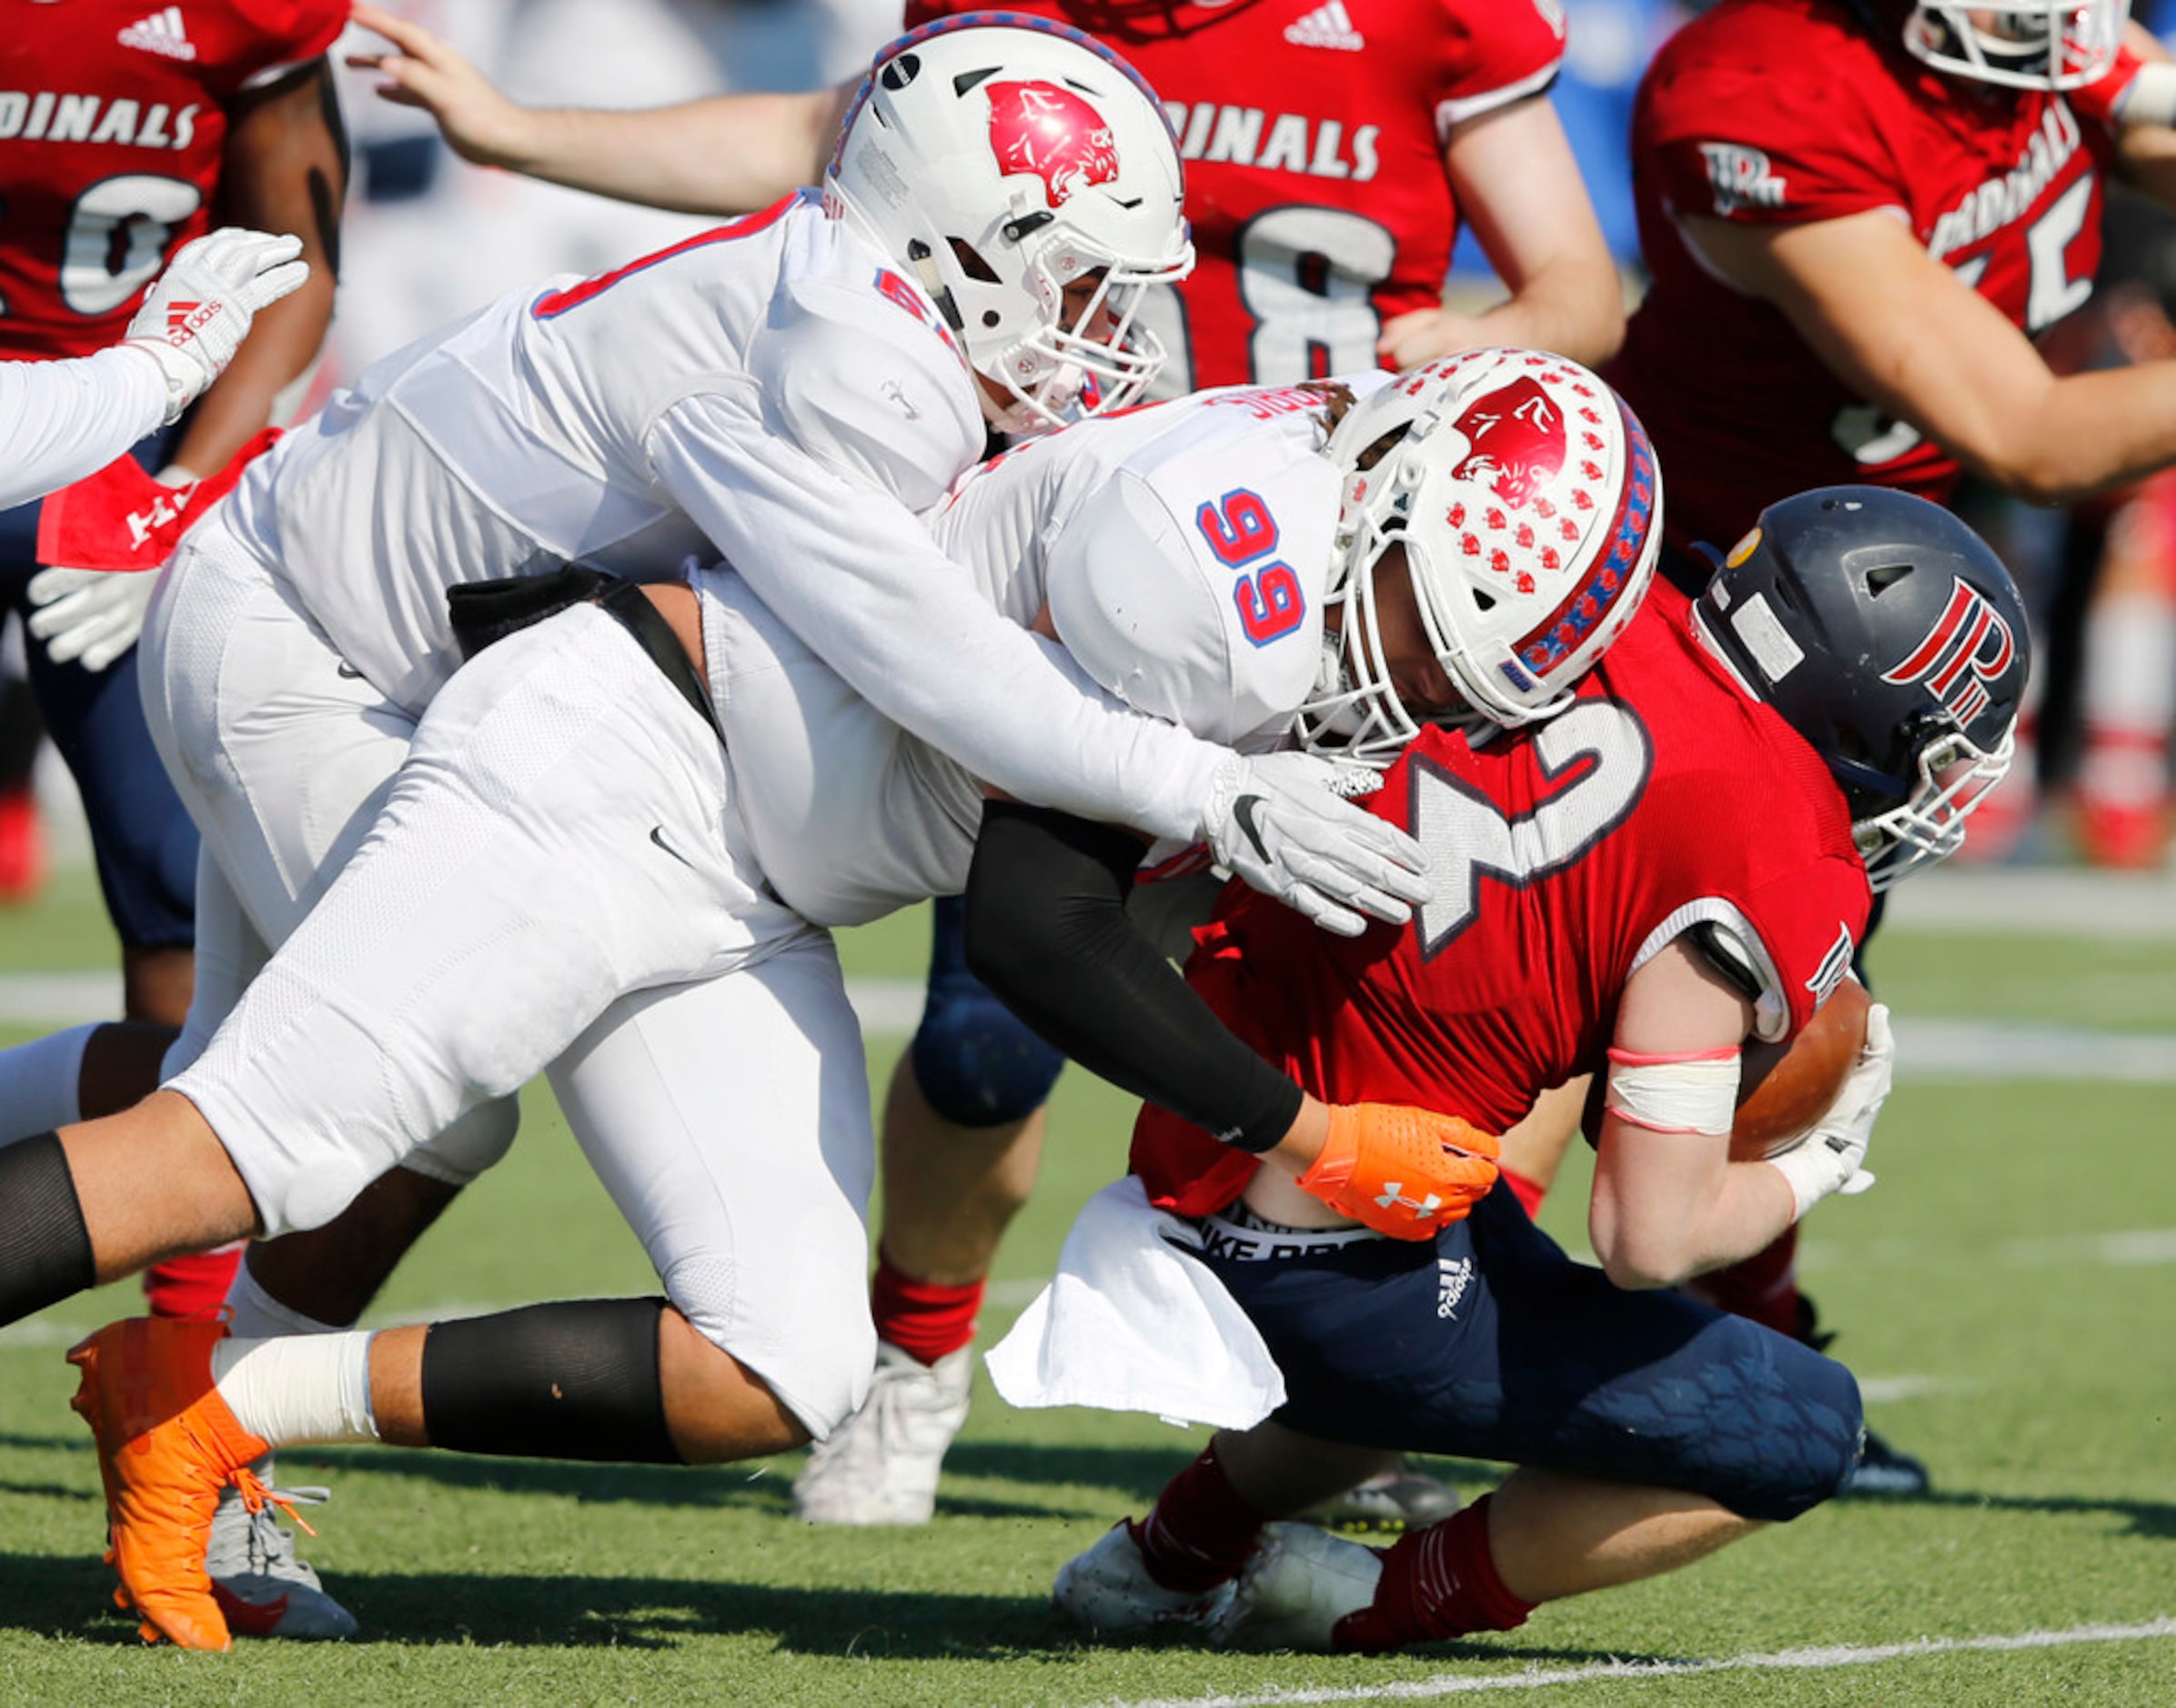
(773, 391)
(1180, 552)
(531, 432)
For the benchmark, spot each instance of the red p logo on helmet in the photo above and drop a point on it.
(1053, 133)
(1968, 649)
(1516, 437)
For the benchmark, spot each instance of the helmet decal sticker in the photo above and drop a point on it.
(1967, 649)
(1053, 133)
(1517, 434)
(1773, 649)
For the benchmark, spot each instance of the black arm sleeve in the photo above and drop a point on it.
(1047, 931)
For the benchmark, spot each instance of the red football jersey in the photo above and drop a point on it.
(112, 125)
(1782, 111)
(1312, 132)
(1563, 857)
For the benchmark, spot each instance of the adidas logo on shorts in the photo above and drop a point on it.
(1454, 1275)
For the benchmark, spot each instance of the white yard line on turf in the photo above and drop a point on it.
(1787, 1661)
(1928, 1046)
(2053, 901)
(2116, 1248)
(1931, 1047)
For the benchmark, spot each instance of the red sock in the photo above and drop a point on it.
(194, 1286)
(1200, 1531)
(1763, 1287)
(1438, 1582)
(922, 1318)
(1530, 1193)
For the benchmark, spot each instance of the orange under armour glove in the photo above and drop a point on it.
(1402, 1171)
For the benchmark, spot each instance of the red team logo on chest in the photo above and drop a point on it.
(1053, 133)
(1517, 434)
(1968, 647)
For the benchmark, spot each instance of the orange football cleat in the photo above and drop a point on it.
(167, 1446)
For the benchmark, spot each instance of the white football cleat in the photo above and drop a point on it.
(880, 1466)
(262, 1586)
(1108, 1591)
(1300, 1583)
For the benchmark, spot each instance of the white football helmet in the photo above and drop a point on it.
(998, 163)
(1529, 506)
(2018, 44)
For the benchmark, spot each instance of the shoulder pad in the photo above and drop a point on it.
(871, 391)
(1140, 606)
(1723, 949)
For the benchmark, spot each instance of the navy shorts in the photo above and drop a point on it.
(1491, 1343)
(140, 832)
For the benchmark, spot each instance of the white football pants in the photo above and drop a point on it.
(559, 878)
(283, 755)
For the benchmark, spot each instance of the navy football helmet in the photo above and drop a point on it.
(1887, 634)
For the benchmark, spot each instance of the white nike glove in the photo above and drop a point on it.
(1830, 1159)
(90, 616)
(195, 316)
(1285, 823)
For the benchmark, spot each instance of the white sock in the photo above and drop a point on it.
(253, 1314)
(299, 1387)
(41, 1083)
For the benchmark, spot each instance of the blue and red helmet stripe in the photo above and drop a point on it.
(1611, 575)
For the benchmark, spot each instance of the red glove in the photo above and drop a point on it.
(122, 518)
(1402, 1172)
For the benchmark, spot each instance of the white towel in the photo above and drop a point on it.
(1130, 1323)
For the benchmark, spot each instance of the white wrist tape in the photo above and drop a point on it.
(1689, 1093)
(1819, 1166)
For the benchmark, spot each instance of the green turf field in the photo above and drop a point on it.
(2007, 1296)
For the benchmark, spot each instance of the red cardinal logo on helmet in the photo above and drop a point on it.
(1053, 133)
(1517, 439)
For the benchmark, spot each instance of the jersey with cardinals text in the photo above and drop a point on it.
(1783, 112)
(113, 123)
(1564, 858)
(1312, 132)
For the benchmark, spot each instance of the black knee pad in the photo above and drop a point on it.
(571, 1380)
(45, 1248)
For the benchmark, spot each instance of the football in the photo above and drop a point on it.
(1782, 1090)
